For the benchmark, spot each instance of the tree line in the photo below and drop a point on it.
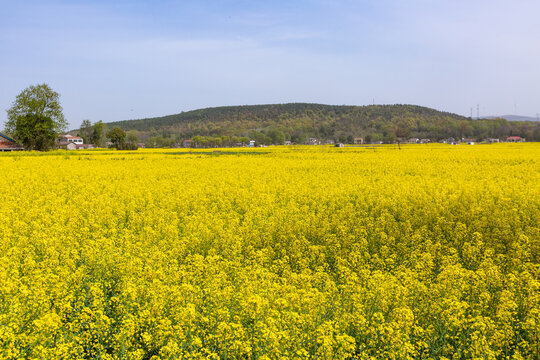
(299, 122)
(36, 120)
(99, 134)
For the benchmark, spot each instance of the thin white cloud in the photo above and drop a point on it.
(161, 57)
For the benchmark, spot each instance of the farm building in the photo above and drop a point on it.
(84, 146)
(8, 144)
(74, 146)
(187, 143)
(515, 139)
(358, 140)
(70, 139)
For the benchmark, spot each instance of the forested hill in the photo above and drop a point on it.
(298, 121)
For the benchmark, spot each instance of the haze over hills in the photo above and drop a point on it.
(514, 117)
(299, 121)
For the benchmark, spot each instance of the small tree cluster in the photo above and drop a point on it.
(122, 140)
(94, 133)
(211, 141)
(160, 141)
(36, 118)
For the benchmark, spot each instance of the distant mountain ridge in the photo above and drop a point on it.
(514, 117)
(268, 112)
(299, 121)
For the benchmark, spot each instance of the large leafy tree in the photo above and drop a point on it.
(118, 139)
(86, 130)
(99, 134)
(94, 134)
(36, 117)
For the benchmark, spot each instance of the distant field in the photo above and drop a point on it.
(428, 252)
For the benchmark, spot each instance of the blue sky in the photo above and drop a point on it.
(116, 60)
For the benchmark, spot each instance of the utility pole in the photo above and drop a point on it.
(477, 111)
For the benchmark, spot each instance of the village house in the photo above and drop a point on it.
(515, 139)
(85, 146)
(187, 143)
(70, 142)
(70, 139)
(313, 141)
(492, 140)
(73, 146)
(413, 140)
(288, 142)
(468, 141)
(8, 144)
(358, 140)
(425, 141)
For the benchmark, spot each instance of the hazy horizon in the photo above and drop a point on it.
(134, 59)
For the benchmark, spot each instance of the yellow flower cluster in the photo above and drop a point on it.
(428, 252)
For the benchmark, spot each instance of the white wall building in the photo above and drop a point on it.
(71, 139)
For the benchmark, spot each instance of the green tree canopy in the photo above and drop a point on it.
(36, 117)
(277, 136)
(86, 131)
(99, 131)
(300, 121)
(132, 137)
(117, 137)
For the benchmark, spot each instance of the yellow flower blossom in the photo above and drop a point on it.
(428, 252)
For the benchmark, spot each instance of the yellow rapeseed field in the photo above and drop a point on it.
(428, 252)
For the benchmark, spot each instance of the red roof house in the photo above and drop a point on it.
(8, 144)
